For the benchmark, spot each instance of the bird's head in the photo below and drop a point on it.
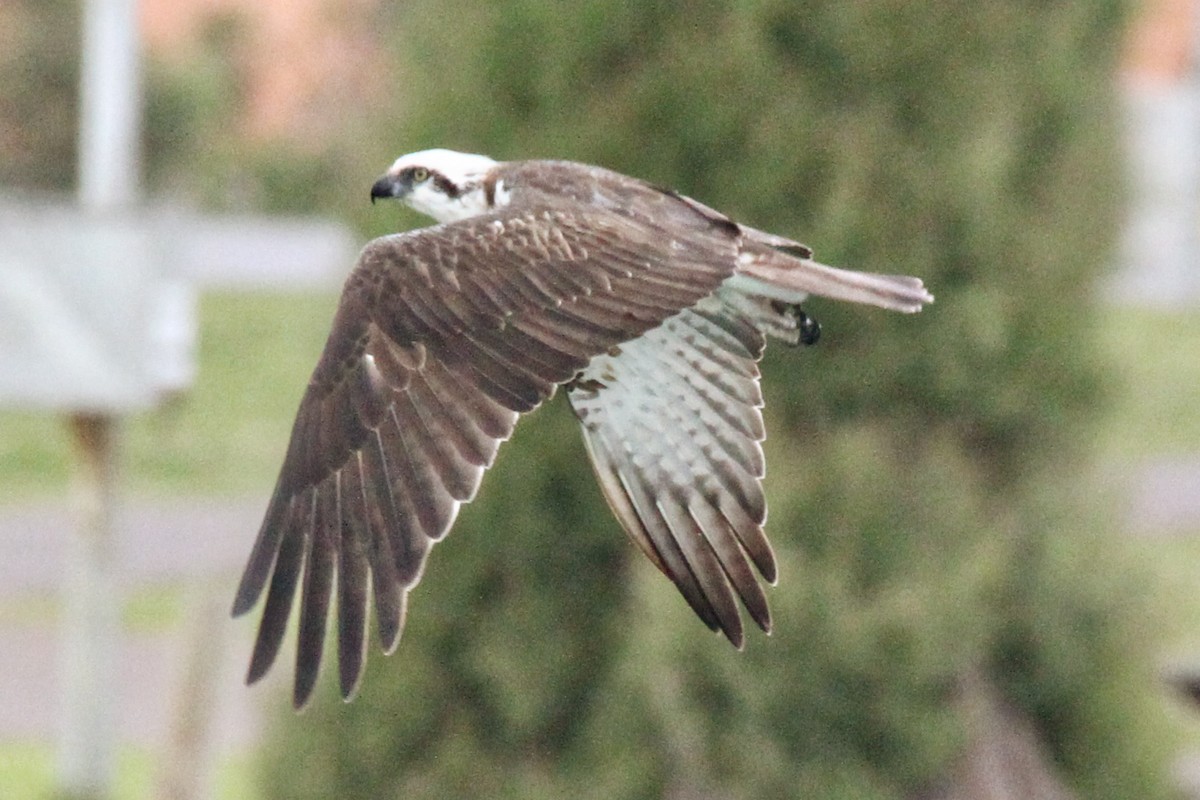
(445, 184)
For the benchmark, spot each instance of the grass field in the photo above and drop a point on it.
(227, 435)
(1155, 359)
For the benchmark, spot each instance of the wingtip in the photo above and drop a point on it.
(766, 565)
(350, 678)
(301, 696)
(736, 638)
(351, 691)
(391, 628)
(304, 682)
(249, 589)
(241, 604)
(761, 617)
(256, 671)
(266, 648)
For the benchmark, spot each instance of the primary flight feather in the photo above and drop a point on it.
(649, 307)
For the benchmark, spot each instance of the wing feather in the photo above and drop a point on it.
(573, 340)
(319, 569)
(467, 435)
(463, 399)
(365, 517)
(442, 338)
(281, 592)
(673, 426)
(432, 507)
(663, 539)
(353, 585)
(715, 529)
(408, 541)
(702, 562)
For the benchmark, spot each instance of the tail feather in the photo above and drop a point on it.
(776, 275)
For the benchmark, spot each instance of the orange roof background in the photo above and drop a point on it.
(1162, 41)
(305, 52)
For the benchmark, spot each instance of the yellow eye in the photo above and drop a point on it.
(419, 174)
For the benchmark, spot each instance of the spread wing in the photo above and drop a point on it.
(672, 423)
(442, 338)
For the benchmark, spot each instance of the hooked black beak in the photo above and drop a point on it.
(386, 187)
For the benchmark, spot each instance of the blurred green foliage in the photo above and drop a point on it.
(39, 76)
(191, 105)
(929, 475)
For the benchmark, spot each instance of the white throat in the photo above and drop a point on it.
(429, 201)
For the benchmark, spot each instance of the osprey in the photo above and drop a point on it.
(651, 308)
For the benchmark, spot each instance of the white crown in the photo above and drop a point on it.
(451, 163)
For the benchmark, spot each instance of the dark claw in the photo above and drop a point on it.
(810, 329)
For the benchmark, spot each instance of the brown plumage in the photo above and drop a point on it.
(650, 307)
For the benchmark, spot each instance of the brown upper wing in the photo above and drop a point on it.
(442, 338)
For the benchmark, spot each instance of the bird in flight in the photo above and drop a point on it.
(650, 308)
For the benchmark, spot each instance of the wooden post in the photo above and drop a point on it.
(91, 617)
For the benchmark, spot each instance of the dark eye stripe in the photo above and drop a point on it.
(489, 189)
(445, 185)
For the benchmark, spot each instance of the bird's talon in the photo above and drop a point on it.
(810, 329)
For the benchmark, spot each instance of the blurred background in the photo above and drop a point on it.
(987, 515)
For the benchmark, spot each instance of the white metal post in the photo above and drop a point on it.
(109, 131)
(109, 106)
